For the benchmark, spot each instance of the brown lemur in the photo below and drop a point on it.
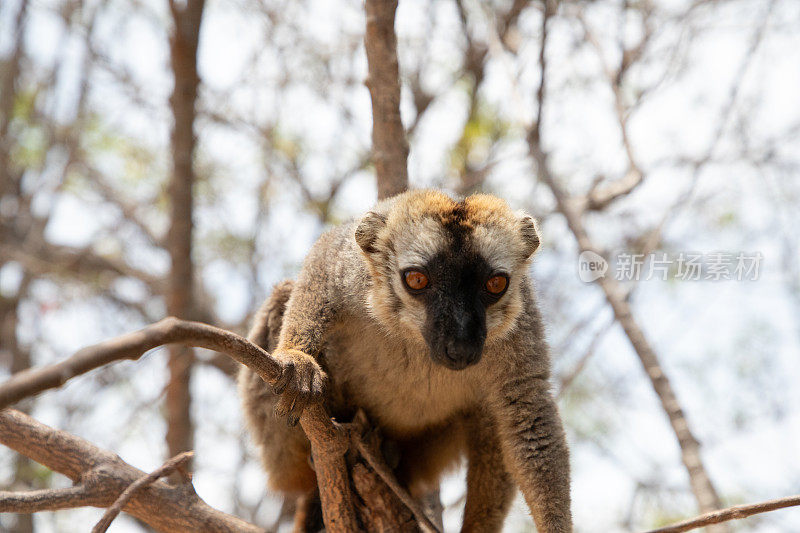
(422, 313)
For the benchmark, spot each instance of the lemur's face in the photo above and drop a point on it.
(447, 273)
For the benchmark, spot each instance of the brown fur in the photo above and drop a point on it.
(350, 328)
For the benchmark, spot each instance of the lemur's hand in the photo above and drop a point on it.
(302, 382)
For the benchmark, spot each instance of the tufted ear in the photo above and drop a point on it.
(529, 231)
(367, 231)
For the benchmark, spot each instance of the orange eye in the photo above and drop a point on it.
(415, 280)
(497, 284)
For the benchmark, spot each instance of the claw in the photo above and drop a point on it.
(297, 387)
(286, 377)
(284, 405)
(297, 409)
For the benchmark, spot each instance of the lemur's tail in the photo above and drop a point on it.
(267, 322)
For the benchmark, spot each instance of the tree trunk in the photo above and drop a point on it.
(183, 54)
(389, 144)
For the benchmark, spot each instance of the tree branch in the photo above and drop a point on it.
(389, 144)
(34, 501)
(731, 513)
(179, 462)
(702, 487)
(183, 43)
(55, 259)
(369, 447)
(567, 379)
(134, 345)
(598, 197)
(102, 473)
(329, 441)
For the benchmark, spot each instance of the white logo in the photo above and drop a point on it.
(591, 266)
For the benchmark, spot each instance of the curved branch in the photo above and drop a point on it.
(600, 197)
(731, 513)
(101, 475)
(178, 462)
(329, 441)
(133, 346)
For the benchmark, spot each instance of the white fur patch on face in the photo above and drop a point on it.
(413, 313)
(419, 243)
(497, 247)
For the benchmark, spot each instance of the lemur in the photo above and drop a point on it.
(421, 313)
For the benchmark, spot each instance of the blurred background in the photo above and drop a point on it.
(691, 106)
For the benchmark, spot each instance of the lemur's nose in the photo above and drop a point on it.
(462, 354)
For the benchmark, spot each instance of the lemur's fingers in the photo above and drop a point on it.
(296, 410)
(286, 386)
(299, 385)
(317, 386)
(287, 375)
(309, 390)
(286, 402)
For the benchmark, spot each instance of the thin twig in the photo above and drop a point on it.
(731, 513)
(698, 165)
(178, 462)
(567, 380)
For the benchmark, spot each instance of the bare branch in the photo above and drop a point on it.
(102, 473)
(600, 197)
(128, 209)
(53, 259)
(186, 19)
(389, 144)
(422, 101)
(652, 240)
(329, 441)
(702, 487)
(35, 501)
(567, 380)
(178, 462)
(369, 448)
(731, 513)
(132, 346)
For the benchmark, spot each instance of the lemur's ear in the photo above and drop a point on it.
(367, 231)
(530, 234)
